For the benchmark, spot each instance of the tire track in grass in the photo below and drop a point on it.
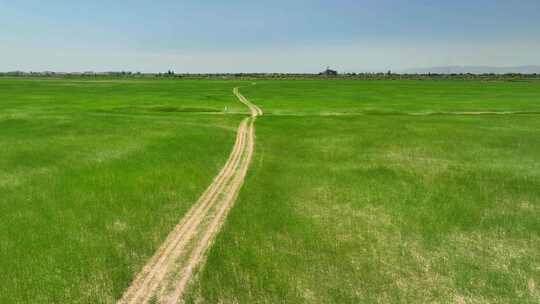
(166, 275)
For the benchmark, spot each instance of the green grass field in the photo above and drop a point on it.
(92, 178)
(302, 97)
(349, 199)
(385, 208)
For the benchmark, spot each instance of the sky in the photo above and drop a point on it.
(211, 36)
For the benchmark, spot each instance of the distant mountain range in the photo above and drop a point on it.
(527, 69)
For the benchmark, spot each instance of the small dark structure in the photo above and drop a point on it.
(329, 72)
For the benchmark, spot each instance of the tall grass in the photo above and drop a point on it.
(382, 209)
(87, 194)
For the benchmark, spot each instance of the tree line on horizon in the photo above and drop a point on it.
(366, 76)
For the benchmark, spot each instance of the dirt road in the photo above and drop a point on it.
(166, 275)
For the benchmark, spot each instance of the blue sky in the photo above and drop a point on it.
(266, 36)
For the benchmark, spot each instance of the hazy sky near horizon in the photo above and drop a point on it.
(266, 36)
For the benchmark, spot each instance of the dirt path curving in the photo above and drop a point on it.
(255, 110)
(166, 275)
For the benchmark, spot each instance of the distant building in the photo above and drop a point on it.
(329, 72)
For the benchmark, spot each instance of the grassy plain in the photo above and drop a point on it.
(301, 97)
(94, 174)
(385, 208)
(349, 199)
